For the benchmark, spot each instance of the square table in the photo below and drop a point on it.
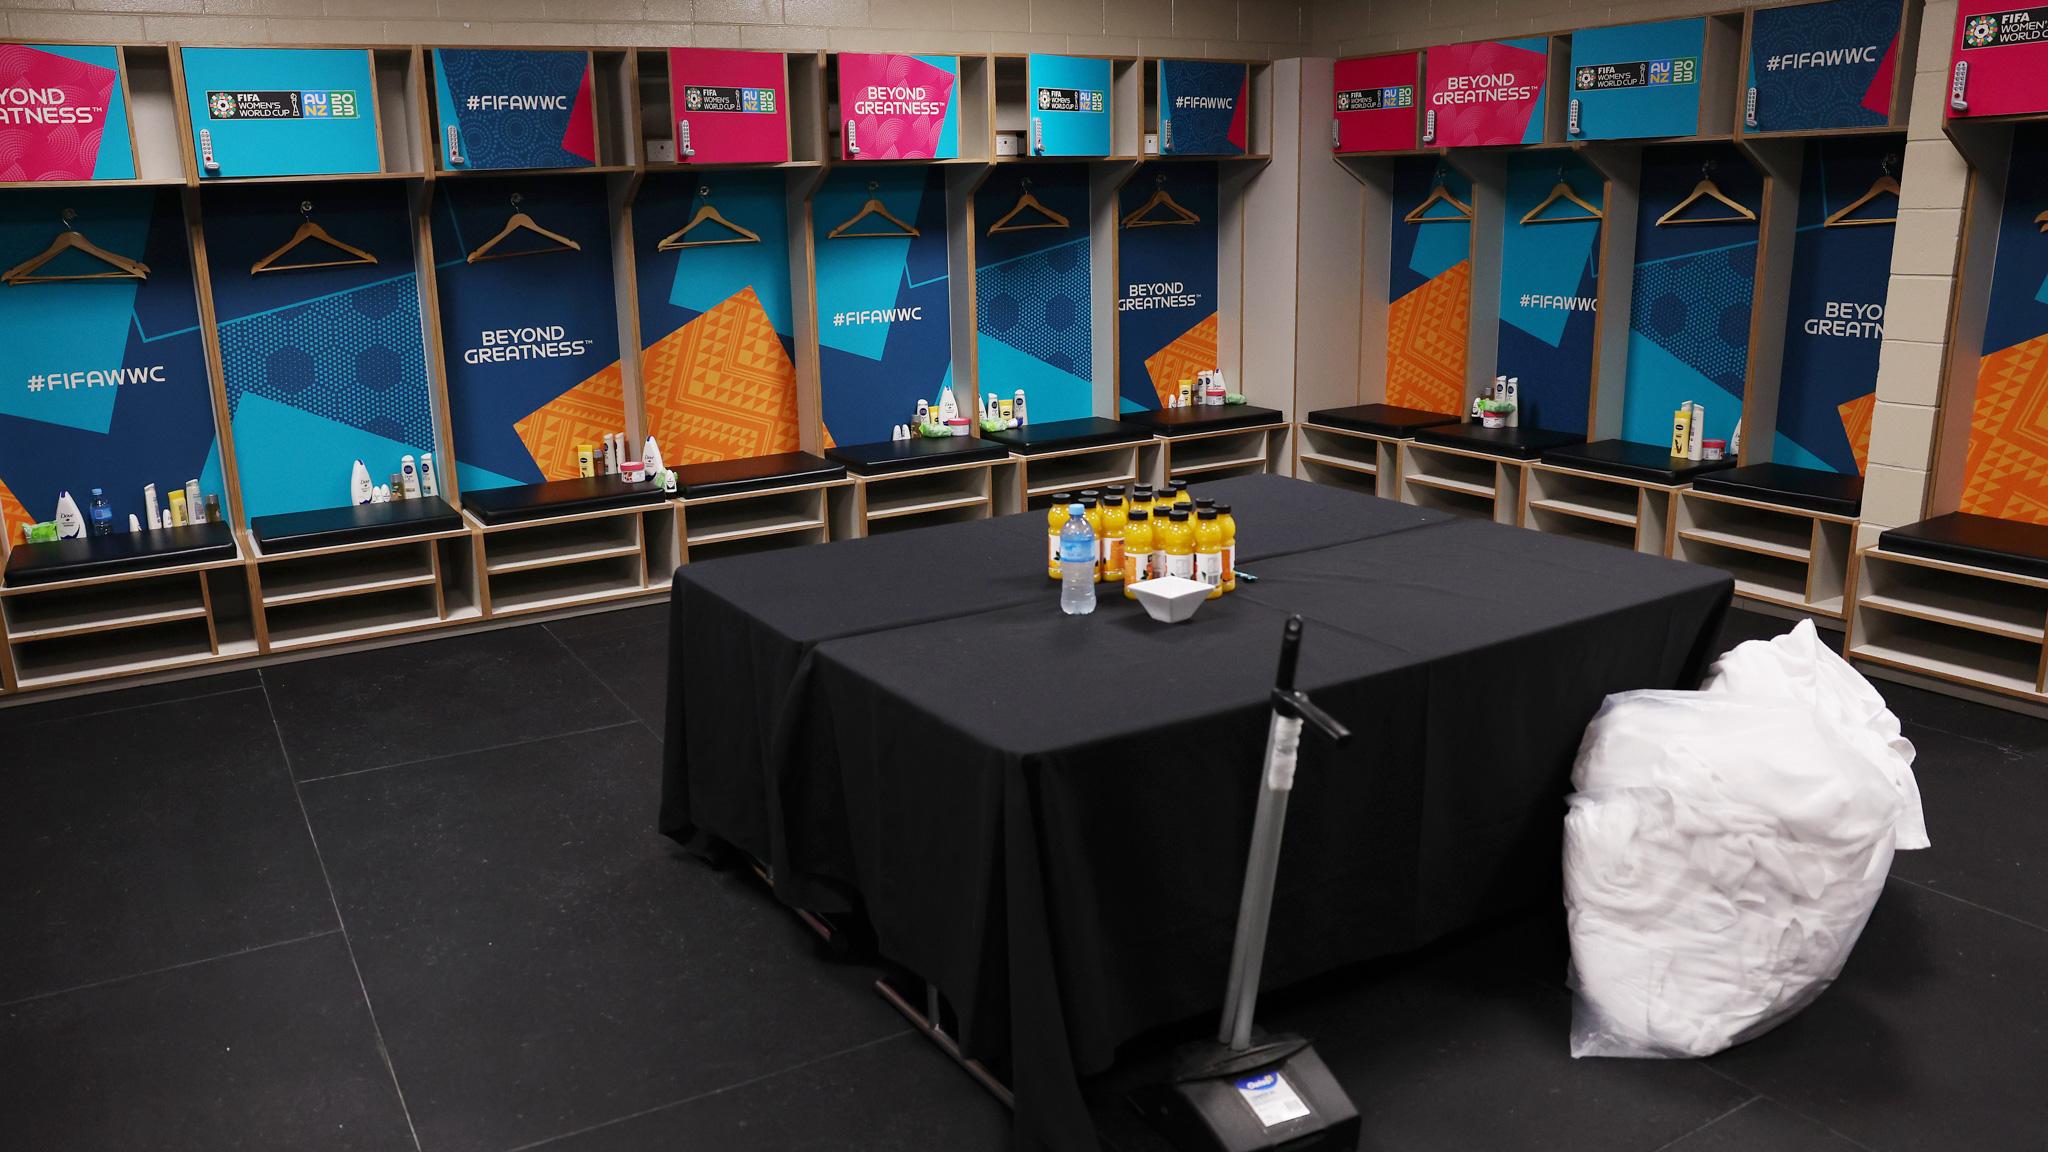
(1046, 816)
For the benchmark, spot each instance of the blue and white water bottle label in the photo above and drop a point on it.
(1272, 1098)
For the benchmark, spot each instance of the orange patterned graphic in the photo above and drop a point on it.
(2006, 472)
(1855, 416)
(722, 387)
(1426, 332)
(582, 415)
(1192, 351)
(12, 515)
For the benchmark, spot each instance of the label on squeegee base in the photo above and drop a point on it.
(1272, 1098)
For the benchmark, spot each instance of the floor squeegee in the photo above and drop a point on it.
(1246, 1091)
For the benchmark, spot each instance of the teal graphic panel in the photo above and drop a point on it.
(103, 383)
(1031, 291)
(1069, 101)
(1638, 80)
(884, 316)
(1549, 289)
(281, 111)
(324, 366)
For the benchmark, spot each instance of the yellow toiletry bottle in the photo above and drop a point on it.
(1209, 551)
(1178, 542)
(1114, 520)
(1137, 549)
(1055, 519)
(1229, 525)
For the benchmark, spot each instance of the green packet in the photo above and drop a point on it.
(42, 533)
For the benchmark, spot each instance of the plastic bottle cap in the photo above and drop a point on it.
(1085, 500)
(95, 491)
(1179, 513)
(1095, 492)
(1113, 500)
(1115, 489)
(1223, 509)
(1076, 510)
(1205, 502)
(1140, 514)
(1063, 498)
(1205, 513)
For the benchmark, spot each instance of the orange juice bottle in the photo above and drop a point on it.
(1141, 497)
(1114, 520)
(1182, 498)
(1091, 507)
(1209, 551)
(1229, 525)
(1055, 519)
(1137, 549)
(1178, 542)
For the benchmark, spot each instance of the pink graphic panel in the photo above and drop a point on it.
(2006, 49)
(732, 107)
(53, 114)
(899, 107)
(1487, 92)
(1376, 109)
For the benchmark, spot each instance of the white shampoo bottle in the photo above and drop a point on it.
(359, 489)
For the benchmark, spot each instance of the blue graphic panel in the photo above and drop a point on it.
(1638, 80)
(103, 383)
(1695, 283)
(341, 347)
(1203, 107)
(1836, 320)
(514, 108)
(1166, 276)
(1031, 293)
(1421, 251)
(518, 332)
(1826, 65)
(1069, 101)
(884, 318)
(2019, 278)
(1549, 291)
(679, 286)
(282, 111)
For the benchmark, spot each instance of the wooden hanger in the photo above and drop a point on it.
(873, 207)
(1438, 194)
(707, 214)
(1883, 185)
(1028, 202)
(1161, 198)
(310, 231)
(521, 222)
(1562, 191)
(69, 240)
(1707, 189)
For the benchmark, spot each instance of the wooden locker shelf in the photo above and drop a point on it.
(1957, 623)
(1791, 557)
(1635, 514)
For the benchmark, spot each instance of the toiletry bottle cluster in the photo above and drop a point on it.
(1502, 408)
(944, 418)
(184, 506)
(610, 459)
(1206, 390)
(1689, 439)
(414, 480)
(1149, 535)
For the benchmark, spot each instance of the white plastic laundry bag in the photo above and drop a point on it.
(1725, 847)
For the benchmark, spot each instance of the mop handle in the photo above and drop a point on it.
(1262, 866)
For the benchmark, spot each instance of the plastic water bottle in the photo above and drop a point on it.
(1077, 563)
(101, 514)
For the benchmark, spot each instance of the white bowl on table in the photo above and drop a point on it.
(1170, 599)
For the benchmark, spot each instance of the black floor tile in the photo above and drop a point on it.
(135, 840)
(1935, 1038)
(1984, 851)
(120, 699)
(647, 617)
(2013, 731)
(633, 663)
(896, 1095)
(1764, 1126)
(1454, 1048)
(370, 709)
(264, 1050)
(541, 961)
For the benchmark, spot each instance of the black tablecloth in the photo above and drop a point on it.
(1047, 816)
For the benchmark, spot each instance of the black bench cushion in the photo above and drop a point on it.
(754, 473)
(885, 456)
(1967, 538)
(1201, 418)
(1509, 443)
(558, 498)
(1389, 420)
(54, 560)
(1065, 435)
(356, 524)
(1652, 462)
(1808, 488)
